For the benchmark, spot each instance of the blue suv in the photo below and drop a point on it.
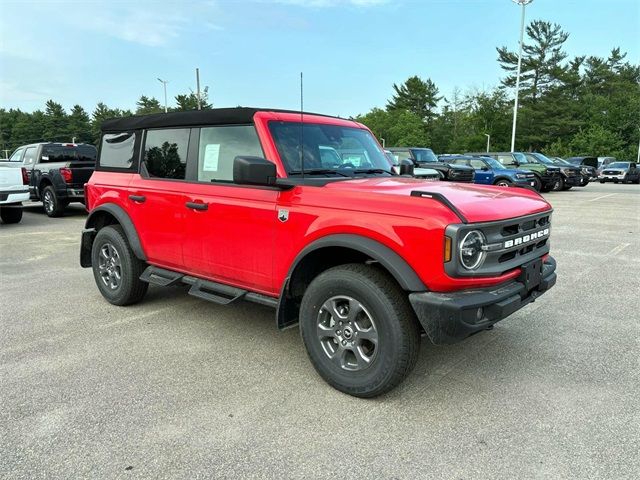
(489, 171)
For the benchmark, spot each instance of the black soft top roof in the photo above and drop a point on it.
(214, 116)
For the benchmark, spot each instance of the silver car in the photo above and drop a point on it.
(620, 172)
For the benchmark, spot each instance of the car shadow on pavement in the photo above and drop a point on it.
(73, 210)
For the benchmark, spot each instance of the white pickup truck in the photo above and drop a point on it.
(13, 191)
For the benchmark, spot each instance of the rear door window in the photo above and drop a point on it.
(165, 153)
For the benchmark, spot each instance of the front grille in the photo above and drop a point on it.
(461, 175)
(510, 244)
(612, 172)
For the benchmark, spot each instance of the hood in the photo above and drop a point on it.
(478, 203)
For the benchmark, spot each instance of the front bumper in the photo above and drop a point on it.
(612, 178)
(524, 182)
(574, 181)
(450, 317)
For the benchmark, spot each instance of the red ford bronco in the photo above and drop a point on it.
(303, 213)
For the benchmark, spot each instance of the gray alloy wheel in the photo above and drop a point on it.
(558, 185)
(110, 266)
(502, 183)
(347, 333)
(48, 201)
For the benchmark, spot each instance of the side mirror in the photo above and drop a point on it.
(485, 168)
(406, 167)
(253, 171)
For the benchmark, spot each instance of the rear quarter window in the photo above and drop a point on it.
(117, 150)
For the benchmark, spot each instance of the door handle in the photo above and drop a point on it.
(137, 198)
(197, 205)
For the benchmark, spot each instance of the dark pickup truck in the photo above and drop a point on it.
(425, 158)
(56, 172)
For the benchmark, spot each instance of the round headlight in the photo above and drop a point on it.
(471, 253)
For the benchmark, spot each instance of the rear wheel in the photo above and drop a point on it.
(53, 206)
(359, 330)
(11, 213)
(116, 269)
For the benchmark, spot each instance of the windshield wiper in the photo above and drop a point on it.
(319, 171)
(372, 170)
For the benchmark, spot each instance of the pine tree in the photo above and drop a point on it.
(417, 96)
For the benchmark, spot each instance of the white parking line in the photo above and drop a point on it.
(603, 196)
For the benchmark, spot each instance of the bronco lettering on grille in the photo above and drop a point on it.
(514, 242)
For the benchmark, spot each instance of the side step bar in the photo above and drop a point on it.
(204, 289)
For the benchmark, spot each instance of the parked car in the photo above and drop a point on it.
(56, 172)
(237, 204)
(620, 172)
(569, 177)
(489, 171)
(546, 175)
(588, 166)
(422, 173)
(13, 191)
(425, 158)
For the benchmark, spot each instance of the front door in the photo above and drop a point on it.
(229, 229)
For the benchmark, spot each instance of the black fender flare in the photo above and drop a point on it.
(125, 222)
(397, 266)
(501, 177)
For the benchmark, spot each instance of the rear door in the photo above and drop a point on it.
(229, 228)
(156, 200)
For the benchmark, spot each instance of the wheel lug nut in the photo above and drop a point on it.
(338, 332)
(344, 342)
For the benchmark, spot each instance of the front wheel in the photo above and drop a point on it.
(359, 330)
(116, 269)
(11, 213)
(502, 182)
(537, 184)
(558, 185)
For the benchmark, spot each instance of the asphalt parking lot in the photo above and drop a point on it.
(176, 387)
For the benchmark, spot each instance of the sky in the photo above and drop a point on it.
(251, 53)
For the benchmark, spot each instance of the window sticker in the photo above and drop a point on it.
(211, 154)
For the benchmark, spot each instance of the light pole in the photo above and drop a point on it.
(164, 84)
(488, 141)
(522, 3)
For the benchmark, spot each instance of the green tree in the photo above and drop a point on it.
(80, 125)
(398, 128)
(56, 122)
(146, 105)
(189, 101)
(542, 60)
(417, 96)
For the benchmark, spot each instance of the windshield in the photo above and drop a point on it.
(493, 163)
(618, 165)
(542, 158)
(520, 157)
(327, 149)
(424, 155)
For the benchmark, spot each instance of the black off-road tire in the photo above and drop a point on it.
(53, 206)
(130, 289)
(398, 332)
(11, 213)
